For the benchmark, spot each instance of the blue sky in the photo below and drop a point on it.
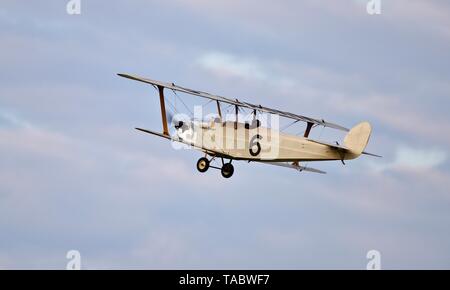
(74, 174)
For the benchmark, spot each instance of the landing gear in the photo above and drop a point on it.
(203, 164)
(227, 170)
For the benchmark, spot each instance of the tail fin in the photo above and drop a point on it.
(358, 137)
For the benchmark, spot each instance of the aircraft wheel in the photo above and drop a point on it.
(203, 164)
(227, 170)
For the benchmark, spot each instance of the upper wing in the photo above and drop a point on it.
(236, 102)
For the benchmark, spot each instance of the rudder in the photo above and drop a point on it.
(356, 140)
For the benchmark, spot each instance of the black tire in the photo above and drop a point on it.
(203, 164)
(227, 170)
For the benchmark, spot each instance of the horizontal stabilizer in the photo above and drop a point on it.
(342, 147)
(336, 146)
(371, 154)
(294, 166)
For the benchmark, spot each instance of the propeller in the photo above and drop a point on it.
(177, 121)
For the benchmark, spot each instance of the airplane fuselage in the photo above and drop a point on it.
(241, 142)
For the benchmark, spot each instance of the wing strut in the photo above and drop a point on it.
(308, 129)
(237, 118)
(163, 110)
(219, 111)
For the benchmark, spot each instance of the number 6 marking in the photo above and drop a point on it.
(255, 142)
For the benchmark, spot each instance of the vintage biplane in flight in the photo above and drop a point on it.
(252, 141)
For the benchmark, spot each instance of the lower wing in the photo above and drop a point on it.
(293, 165)
(177, 139)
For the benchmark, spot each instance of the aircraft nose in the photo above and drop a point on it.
(179, 124)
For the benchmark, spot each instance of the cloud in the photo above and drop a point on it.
(418, 158)
(236, 66)
(8, 119)
(434, 15)
(407, 158)
(228, 64)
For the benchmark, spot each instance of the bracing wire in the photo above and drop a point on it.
(289, 125)
(184, 104)
(172, 107)
(207, 103)
(320, 136)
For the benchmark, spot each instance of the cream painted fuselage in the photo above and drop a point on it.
(241, 142)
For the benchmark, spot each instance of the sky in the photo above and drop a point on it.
(75, 175)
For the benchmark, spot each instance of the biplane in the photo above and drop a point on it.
(252, 141)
